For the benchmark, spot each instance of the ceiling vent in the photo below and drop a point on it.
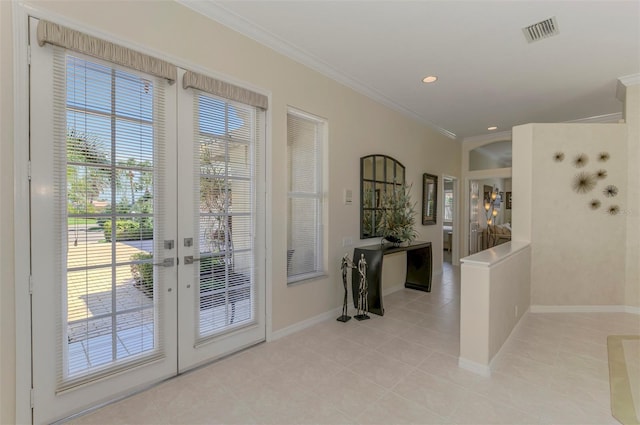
(544, 29)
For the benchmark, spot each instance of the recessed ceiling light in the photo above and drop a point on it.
(492, 128)
(429, 79)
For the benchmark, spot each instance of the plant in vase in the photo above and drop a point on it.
(398, 215)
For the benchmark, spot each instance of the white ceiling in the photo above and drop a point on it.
(488, 73)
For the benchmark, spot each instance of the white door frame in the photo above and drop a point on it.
(455, 237)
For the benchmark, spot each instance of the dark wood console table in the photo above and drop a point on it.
(419, 262)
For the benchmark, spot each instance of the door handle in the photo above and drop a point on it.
(188, 259)
(167, 262)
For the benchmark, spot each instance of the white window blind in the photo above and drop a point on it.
(305, 137)
(228, 139)
(110, 153)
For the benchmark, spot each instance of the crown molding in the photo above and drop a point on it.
(506, 135)
(607, 118)
(237, 23)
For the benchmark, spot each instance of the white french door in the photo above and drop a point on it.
(117, 206)
(221, 232)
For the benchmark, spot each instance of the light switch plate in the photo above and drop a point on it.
(348, 197)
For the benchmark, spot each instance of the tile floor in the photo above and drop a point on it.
(397, 369)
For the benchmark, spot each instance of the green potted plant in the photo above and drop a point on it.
(398, 215)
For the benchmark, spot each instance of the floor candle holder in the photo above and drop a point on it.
(363, 291)
(346, 264)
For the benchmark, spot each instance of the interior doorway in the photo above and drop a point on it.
(449, 231)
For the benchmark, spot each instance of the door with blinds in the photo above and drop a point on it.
(102, 212)
(221, 231)
(145, 254)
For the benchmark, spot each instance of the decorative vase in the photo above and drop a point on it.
(395, 241)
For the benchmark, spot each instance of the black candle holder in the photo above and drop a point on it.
(363, 291)
(345, 265)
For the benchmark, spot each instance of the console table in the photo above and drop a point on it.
(419, 261)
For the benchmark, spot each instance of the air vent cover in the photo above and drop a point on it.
(543, 29)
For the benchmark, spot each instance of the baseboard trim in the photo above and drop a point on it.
(486, 370)
(494, 360)
(474, 367)
(632, 310)
(391, 290)
(307, 323)
(584, 309)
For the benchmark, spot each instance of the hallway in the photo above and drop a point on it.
(400, 368)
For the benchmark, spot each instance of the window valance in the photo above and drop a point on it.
(224, 89)
(51, 33)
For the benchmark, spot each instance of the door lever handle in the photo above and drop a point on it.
(188, 259)
(167, 262)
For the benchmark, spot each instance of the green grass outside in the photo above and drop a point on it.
(79, 220)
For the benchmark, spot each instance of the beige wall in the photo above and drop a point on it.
(578, 254)
(7, 322)
(522, 182)
(510, 297)
(357, 126)
(632, 116)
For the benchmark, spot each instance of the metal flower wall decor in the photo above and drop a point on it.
(585, 181)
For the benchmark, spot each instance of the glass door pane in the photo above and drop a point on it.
(104, 306)
(221, 306)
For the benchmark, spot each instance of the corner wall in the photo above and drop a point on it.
(578, 253)
(632, 213)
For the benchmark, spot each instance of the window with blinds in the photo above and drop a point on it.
(305, 140)
(448, 205)
(109, 180)
(226, 138)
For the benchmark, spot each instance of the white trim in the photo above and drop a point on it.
(631, 309)
(296, 327)
(584, 309)
(268, 217)
(392, 289)
(630, 80)
(249, 29)
(474, 367)
(607, 118)
(21, 228)
(493, 362)
(486, 370)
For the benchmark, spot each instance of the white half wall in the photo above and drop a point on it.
(495, 294)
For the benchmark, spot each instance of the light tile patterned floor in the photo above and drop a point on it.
(397, 369)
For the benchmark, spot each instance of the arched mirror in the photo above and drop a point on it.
(378, 174)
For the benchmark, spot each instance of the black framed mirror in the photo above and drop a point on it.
(429, 199)
(378, 174)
